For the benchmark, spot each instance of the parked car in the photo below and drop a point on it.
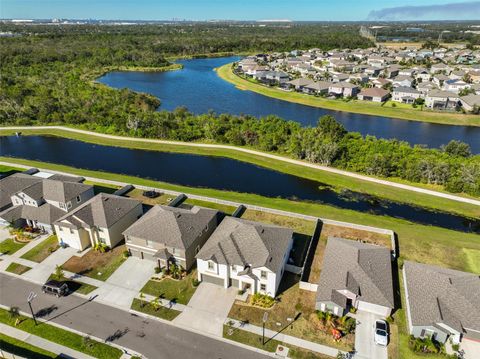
(381, 333)
(55, 287)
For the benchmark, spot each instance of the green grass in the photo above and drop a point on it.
(17, 268)
(472, 259)
(147, 308)
(179, 291)
(355, 106)
(25, 350)
(337, 181)
(427, 244)
(43, 250)
(62, 337)
(254, 340)
(10, 246)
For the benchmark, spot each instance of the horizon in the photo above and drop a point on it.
(219, 10)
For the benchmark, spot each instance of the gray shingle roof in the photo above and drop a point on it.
(14, 183)
(440, 295)
(364, 269)
(46, 213)
(103, 210)
(173, 226)
(241, 242)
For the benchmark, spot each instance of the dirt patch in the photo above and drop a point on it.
(296, 224)
(137, 194)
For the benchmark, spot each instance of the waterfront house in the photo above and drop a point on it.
(344, 89)
(374, 94)
(101, 220)
(317, 88)
(299, 84)
(405, 95)
(470, 102)
(247, 255)
(171, 235)
(441, 100)
(441, 303)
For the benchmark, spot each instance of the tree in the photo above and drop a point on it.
(58, 274)
(14, 314)
(330, 128)
(457, 148)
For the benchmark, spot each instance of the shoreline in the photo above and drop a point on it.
(225, 73)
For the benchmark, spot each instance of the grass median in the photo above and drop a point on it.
(336, 181)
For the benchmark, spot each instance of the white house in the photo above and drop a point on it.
(441, 99)
(101, 220)
(405, 94)
(247, 255)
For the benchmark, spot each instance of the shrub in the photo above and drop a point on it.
(425, 345)
(157, 270)
(262, 300)
(126, 254)
(195, 282)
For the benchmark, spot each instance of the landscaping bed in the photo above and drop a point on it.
(155, 310)
(10, 246)
(290, 302)
(63, 337)
(95, 264)
(179, 291)
(17, 268)
(43, 250)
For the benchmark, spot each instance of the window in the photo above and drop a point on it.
(79, 199)
(211, 265)
(263, 287)
(263, 274)
(233, 269)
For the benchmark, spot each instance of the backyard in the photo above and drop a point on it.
(292, 303)
(95, 264)
(178, 291)
(43, 250)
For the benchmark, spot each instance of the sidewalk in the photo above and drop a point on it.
(287, 339)
(42, 343)
(166, 303)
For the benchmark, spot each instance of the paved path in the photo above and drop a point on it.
(288, 339)
(165, 302)
(42, 343)
(208, 308)
(41, 271)
(261, 154)
(364, 337)
(154, 339)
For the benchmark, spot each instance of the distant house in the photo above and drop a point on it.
(405, 95)
(440, 79)
(402, 81)
(171, 235)
(374, 94)
(437, 99)
(441, 303)
(455, 85)
(425, 87)
(423, 75)
(101, 220)
(316, 88)
(355, 274)
(300, 83)
(470, 102)
(38, 202)
(380, 82)
(247, 255)
(344, 89)
(436, 68)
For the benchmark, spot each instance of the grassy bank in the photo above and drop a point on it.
(339, 182)
(420, 243)
(366, 108)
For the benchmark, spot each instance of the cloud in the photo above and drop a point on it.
(453, 11)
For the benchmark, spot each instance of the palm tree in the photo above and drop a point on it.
(58, 272)
(175, 271)
(14, 314)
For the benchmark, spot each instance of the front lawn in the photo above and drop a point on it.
(10, 246)
(22, 349)
(179, 291)
(43, 250)
(160, 312)
(291, 302)
(95, 264)
(17, 268)
(63, 337)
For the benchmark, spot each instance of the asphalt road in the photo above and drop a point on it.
(149, 337)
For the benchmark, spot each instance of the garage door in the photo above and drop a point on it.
(374, 308)
(213, 280)
(135, 253)
(148, 256)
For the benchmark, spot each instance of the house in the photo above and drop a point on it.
(300, 83)
(344, 89)
(247, 255)
(405, 94)
(39, 201)
(355, 274)
(168, 234)
(316, 88)
(441, 303)
(380, 82)
(425, 87)
(406, 72)
(440, 67)
(470, 102)
(402, 81)
(437, 99)
(100, 220)
(422, 74)
(455, 85)
(440, 79)
(374, 94)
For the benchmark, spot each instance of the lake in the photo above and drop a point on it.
(198, 88)
(218, 173)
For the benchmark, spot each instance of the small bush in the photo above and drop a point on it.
(195, 282)
(157, 270)
(262, 300)
(126, 254)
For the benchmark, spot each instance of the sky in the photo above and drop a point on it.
(300, 10)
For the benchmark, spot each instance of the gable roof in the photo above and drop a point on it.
(363, 269)
(241, 242)
(14, 183)
(374, 92)
(173, 226)
(440, 295)
(103, 210)
(46, 213)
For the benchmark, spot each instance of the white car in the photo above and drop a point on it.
(381, 333)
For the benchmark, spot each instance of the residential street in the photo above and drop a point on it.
(149, 337)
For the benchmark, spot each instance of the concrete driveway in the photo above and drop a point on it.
(43, 270)
(471, 348)
(125, 283)
(4, 233)
(364, 338)
(208, 309)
